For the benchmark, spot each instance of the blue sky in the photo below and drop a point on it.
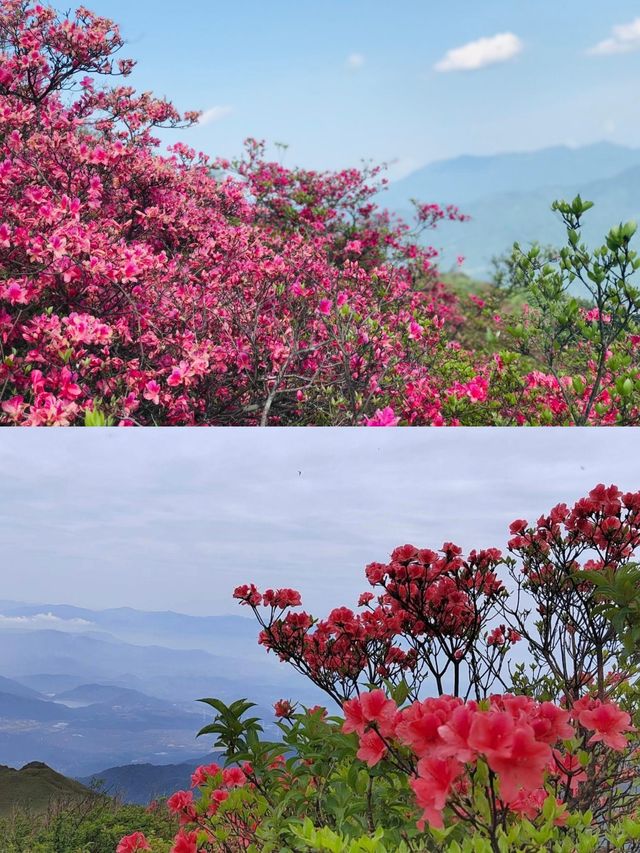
(174, 519)
(342, 80)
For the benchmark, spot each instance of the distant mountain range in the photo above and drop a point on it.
(79, 737)
(14, 688)
(85, 689)
(143, 783)
(35, 787)
(509, 196)
(167, 628)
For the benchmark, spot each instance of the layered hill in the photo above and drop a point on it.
(119, 687)
(508, 197)
(143, 783)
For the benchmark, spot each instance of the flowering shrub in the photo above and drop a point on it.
(96, 824)
(587, 349)
(447, 737)
(163, 289)
(141, 288)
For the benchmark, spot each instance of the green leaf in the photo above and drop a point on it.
(95, 418)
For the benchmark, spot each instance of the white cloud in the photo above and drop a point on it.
(43, 620)
(624, 39)
(355, 60)
(214, 114)
(480, 53)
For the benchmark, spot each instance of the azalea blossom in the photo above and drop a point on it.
(132, 843)
(608, 723)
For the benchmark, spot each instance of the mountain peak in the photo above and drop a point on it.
(36, 786)
(469, 177)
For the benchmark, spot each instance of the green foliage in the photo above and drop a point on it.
(565, 334)
(576, 835)
(235, 735)
(96, 418)
(94, 826)
(312, 774)
(618, 594)
(323, 839)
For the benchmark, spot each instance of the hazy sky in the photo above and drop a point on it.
(341, 80)
(174, 519)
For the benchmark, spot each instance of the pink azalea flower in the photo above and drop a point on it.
(203, 773)
(181, 801)
(178, 374)
(383, 417)
(372, 748)
(14, 407)
(325, 306)
(185, 842)
(435, 780)
(233, 777)
(152, 392)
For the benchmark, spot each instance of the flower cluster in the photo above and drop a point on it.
(146, 288)
(521, 741)
(431, 609)
(175, 289)
(603, 527)
(132, 843)
(556, 561)
(215, 786)
(424, 741)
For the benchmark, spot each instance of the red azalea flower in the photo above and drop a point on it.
(609, 724)
(132, 843)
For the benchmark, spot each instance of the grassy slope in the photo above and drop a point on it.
(35, 787)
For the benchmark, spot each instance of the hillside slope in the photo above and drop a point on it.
(35, 787)
(143, 783)
(526, 217)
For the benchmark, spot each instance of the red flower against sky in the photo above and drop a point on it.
(609, 724)
(284, 708)
(485, 761)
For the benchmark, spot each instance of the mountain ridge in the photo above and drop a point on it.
(508, 198)
(35, 786)
(558, 163)
(82, 700)
(142, 783)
